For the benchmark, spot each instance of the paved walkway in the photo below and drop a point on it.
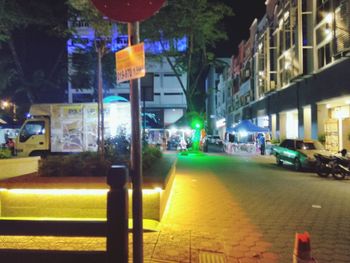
(203, 223)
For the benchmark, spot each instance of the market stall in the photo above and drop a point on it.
(245, 137)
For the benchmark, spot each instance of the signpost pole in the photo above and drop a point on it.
(136, 160)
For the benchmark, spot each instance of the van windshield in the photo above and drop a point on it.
(32, 128)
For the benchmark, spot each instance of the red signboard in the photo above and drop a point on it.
(128, 10)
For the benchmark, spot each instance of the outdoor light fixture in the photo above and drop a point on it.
(243, 133)
(86, 192)
(220, 123)
(4, 104)
(280, 23)
(329, 18)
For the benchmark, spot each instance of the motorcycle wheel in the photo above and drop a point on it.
(321, 172)
(338, 174)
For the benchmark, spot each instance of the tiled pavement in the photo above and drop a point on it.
(203, 223)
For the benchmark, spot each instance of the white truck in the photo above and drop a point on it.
(66, 128)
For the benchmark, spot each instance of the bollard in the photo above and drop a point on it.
(302, 249)
(117, 215)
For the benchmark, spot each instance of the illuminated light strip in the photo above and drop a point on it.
(59, 191)
(72, 191)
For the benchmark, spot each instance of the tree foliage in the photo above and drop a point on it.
(24, 67)
(86, 56)
(200, 21)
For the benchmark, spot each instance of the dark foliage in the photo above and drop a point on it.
(81, 164)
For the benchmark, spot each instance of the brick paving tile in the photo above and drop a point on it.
(232, 260)
(249, 260)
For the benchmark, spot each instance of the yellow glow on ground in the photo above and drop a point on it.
(72, 191)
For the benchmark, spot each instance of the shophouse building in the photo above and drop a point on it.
(162, 98)
(299, 83)
(219, 97)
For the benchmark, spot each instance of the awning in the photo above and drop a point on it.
(246, 126)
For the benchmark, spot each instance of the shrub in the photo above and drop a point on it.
(150, 154)
(275, 141)
(117, 149)
(90, 164)
(5, 153)
(322, 138)
(81, 164)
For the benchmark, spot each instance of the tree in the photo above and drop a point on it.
(20, 24)
(83, 9)
(200, 22)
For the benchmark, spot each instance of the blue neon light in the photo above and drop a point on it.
(85, 41)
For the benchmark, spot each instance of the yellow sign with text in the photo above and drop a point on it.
(130, 63)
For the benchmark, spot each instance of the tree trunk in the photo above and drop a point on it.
(100, 119)
(20, 70)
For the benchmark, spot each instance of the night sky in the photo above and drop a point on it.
(237, 26)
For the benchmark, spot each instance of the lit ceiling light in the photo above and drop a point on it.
(286, 54)
(328, 106)
(329, 18)
(280, 23)
(328, 33)
(287, 65)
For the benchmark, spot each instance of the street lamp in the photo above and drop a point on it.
(5, 104)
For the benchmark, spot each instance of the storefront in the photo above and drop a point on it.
(337, 126)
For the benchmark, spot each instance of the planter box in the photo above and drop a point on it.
(18, 166)
(76, 198)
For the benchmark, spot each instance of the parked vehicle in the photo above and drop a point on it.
(65, 128)
(214, 139)
(342, 166)
(325, 165)
(212, 143)
(298, 152)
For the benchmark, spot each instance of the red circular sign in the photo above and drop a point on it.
(128, 10)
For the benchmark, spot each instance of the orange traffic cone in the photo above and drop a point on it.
(302, 249)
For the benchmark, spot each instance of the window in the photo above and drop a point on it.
(125, 96)
(324, 55)
(173, 93)
(147, 84)
(32, 128)
(288, 144)
(300, 145)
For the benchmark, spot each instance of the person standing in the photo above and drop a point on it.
(11, 146)
(262, 144)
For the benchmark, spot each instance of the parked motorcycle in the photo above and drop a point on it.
(342, 167)
(325, 165)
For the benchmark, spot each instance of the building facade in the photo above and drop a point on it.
(295, 79)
